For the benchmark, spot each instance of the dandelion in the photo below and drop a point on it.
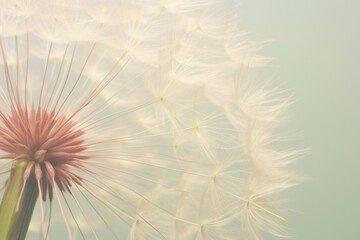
(137, 120)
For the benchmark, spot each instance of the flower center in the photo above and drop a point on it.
(40, 155)
(52, 144)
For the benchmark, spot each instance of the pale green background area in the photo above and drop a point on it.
(317, 50)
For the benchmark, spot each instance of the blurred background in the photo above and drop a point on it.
(317, 56)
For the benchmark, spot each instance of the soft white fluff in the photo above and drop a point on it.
(184, 135)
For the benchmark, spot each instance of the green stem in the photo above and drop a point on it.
(14, 224)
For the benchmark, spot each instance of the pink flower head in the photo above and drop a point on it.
(51, 143)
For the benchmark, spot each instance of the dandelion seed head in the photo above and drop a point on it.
(144, 118)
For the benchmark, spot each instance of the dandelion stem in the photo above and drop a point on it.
(15, 222)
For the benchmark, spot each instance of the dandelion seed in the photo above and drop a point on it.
(137, 119)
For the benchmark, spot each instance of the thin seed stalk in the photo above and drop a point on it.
(14, 223)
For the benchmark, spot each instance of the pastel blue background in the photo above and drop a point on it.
(317, 50)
